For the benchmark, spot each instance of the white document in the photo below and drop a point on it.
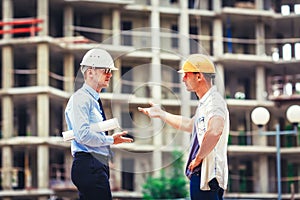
(106, 125)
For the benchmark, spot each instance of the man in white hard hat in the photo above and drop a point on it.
(90, 149)
(207, 166)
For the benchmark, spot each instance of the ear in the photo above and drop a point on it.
(199, 76)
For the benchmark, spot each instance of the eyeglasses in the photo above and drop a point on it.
(107, 71)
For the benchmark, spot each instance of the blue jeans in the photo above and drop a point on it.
(197, 194)
(91, 177)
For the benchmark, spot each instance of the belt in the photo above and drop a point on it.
(102, 158)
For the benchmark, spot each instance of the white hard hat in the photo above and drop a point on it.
(98, 58)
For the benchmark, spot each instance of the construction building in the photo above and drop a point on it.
(254, 43)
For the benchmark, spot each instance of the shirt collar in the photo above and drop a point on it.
(90, 90)
(207, 94)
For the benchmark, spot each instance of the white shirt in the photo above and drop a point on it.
(214, 165)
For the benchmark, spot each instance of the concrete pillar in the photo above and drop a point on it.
(220, 78)
(260, 174)
(43, 64)
(203, 5)
(259, 4)
(156, 88)
(184, 47)
(43, 168)
(217, 5)
(7, 82)
(43, 113)
(68, 21)
(7, 67)
(7, 164)
(260, 83)
(43, 13)
(116, 78)
(43, 103)
(259, 140)
(43, 116)
(218, 47)
(7, 15)
(69, 72)
(260, 38)
(116, 27)
(7, 116)
(155, 21)
(184, 28)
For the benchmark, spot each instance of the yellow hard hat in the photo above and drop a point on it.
(198, 63)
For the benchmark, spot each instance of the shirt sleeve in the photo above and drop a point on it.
(217, 107)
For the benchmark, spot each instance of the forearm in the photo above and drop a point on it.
(177, 121)
(211, 137)
(208, 144)
(91, 138)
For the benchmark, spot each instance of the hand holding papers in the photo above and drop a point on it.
(106, 125)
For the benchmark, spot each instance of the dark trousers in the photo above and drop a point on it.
(91, 177)
(197, 194)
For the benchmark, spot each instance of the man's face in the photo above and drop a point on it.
(100, 77)
(191, 81)
(103, 77)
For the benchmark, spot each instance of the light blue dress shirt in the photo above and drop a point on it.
(83, 110)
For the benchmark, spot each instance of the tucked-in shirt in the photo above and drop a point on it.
(214, 165)
(81, 111)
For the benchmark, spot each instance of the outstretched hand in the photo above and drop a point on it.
(154, 111)
(118, 138)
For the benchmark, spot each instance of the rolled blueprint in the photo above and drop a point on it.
(106, 125)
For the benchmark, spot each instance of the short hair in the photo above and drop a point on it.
(84, 68)
(209, 77)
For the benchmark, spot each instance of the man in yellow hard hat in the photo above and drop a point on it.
(207, 166)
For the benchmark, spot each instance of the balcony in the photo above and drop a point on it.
(284, 87)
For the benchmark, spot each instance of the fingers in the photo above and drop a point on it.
(127, 140)
(191, 166)
(120, 134)
(141, 109)
(118, 138)
(123, 133)
(145, 109)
